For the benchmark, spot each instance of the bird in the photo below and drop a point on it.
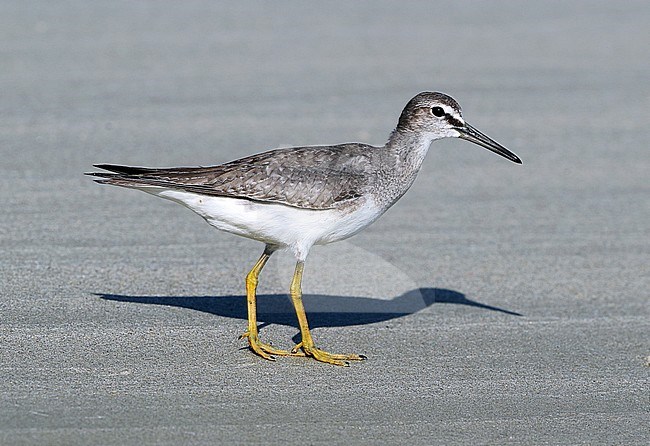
(294, 198)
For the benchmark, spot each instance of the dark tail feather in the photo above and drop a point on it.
(125, 170)
(135, 177)
(133, 170)
(117, 180)
(126, 176)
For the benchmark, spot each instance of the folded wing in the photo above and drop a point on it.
(303, 177)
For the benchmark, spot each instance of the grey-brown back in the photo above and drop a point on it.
(313, 177)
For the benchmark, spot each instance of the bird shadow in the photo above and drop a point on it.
(322, 310)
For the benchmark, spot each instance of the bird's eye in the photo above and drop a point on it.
(438, 111)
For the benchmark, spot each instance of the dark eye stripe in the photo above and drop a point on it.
(453, 121)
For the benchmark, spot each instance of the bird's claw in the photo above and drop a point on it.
(266, 351)
(323, 356)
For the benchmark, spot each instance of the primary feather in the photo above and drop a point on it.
(319, 177)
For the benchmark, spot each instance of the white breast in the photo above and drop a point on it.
(276, 224)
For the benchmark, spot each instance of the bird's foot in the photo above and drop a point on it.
(323, 356)
(266, 351)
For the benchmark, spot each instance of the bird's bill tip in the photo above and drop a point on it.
(472, 134)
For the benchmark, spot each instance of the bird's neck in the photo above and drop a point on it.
(408, 150)
(401, 159)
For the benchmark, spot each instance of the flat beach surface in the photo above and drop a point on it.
(497, 304)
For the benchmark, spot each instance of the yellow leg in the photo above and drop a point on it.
(266, 351)
(307, 343)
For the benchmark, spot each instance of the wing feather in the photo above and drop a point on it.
(320, 177)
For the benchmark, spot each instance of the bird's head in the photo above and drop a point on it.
(439, 116)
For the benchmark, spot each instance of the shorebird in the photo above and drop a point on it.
(299, 197)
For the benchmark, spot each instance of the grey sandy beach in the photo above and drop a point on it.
(497, 304)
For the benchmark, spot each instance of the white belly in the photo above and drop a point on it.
(276, 224)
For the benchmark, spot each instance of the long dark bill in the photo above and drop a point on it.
(471, 134)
